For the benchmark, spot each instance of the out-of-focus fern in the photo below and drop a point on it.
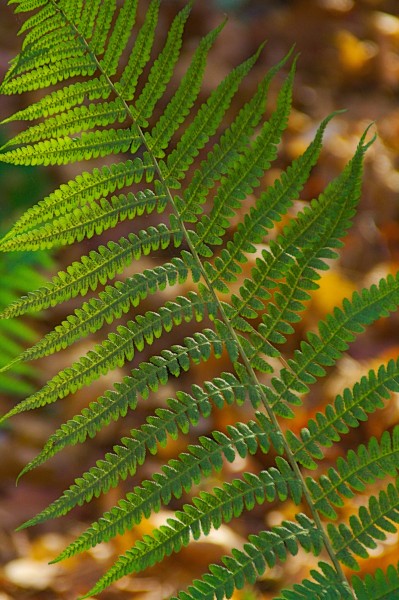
(19, 274)
(104, 96)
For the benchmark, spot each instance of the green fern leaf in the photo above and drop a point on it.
(48, 75)
(178, 475)
(370, 525)
(63, 99)
(27, 5)
(271, 205)
(296, 236)
(204, 125)
(334, 337)
(183, 412)
(140, 54)
(112, 96)
(380, 586)
(41, 60)
(75, 120)
(181, 103)
(349, 409)
(103, 20)
(245, 565)
(116, 349)
(93, 269)
(324, 585)
(88, 17)
(82, 190)
(65, 150)
(161, 70)
(91, 219)
(358, 470)
(208, 510)
(111, 304)
(227, 151)
(243, 176)
(119, 37)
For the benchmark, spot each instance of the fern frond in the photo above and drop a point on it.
(148, 377)
(18, 274)
(243, 176)
(97, 267)
(27, 5)
(55, 22)
(75, 120)
(117, 349)
(73, 8)
(49, 75)
(91, 219)
(335, 335)
(63, 99)
(140, 54)
(348, 410)
(246, 565)
(85, 188)
(89, 16)
(45, 57)
(380, 586)
(324, 585)
(227, 151)
(371, 524)
(48, 11)
(178, 475)
(119, 37)
(161, 70)
(102, 18)
(183, 412)
(333, 210)
(205, 124)
(181, 103)
(110, 305)
(270, 207)
(207, 511)
(111, 82)
(333, 213)
(65, 150)
(45, 34)
(355, 472)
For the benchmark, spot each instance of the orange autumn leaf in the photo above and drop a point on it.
(333, 288)
(354, 54)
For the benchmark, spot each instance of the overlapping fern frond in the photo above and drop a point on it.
(18, 274)
(183, 161)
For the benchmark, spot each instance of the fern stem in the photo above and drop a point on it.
(252, 374)
(208, 283)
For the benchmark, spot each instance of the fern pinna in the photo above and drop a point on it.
(106, 96)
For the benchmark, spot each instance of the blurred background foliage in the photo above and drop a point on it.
(349, 58)
(19, 273)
